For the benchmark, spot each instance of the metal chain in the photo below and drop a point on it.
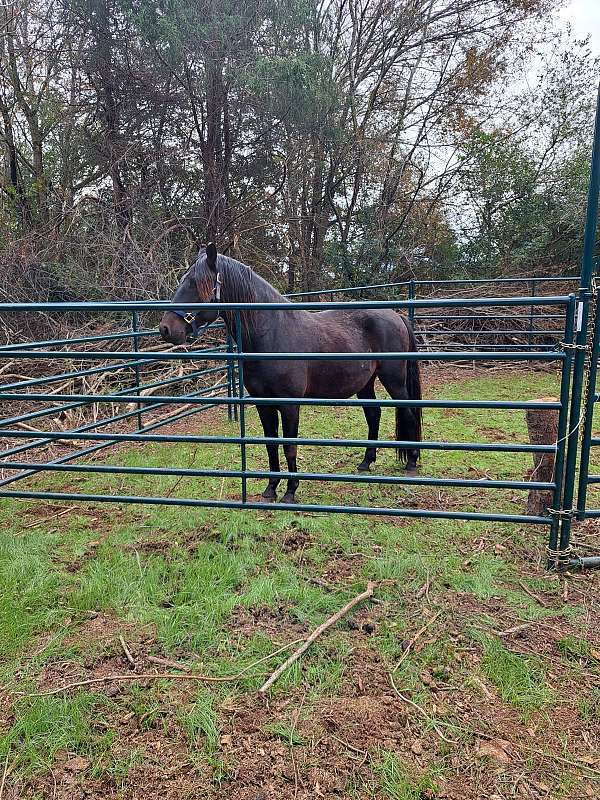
(589, 346)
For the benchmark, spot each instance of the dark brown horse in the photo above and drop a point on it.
(216, 278)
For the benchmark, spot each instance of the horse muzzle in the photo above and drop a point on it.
(173, 329)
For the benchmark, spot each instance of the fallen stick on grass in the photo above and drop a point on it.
(315, 635)
(127, 651)
(138, 676)
(414, 640)
(188, 676)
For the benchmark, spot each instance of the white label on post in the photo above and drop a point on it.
(579, 316)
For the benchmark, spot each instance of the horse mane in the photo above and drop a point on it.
(240, 284)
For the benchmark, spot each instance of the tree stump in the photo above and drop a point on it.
(542, 425)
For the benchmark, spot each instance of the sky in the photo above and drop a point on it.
(584, 18)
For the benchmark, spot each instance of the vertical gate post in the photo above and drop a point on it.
(238, 337)
(531, 310)
(411, 296)
(561, 558)
(232, 414)
(136, 348)
(586, 436)
(562, 437)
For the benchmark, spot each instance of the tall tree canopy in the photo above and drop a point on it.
(325, 141)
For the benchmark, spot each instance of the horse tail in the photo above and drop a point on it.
(413, 388)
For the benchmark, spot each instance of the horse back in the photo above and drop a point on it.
(366, 330)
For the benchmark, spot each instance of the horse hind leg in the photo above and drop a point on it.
(270, 423)
(373, 417)
(406, 421)
(290, 418)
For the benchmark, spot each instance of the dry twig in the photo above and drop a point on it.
(420, 710)
(37, 523)
(140, 676)
(126, 650)
(533, 595)
(4, 774)
(315, 635)
(417, 636)
(190, 676)
(167, 662)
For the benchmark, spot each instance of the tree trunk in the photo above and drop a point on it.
(107, 95)
(14, 177)
(216, 151)
(38, 168)
(542, 425)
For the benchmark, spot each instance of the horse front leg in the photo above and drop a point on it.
(270, 423)
(290, 417)
(373, 417)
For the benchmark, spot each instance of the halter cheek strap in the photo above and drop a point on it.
(190, 316)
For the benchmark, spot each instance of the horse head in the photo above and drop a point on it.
(200, 284)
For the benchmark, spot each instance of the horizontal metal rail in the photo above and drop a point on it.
(95, 355)
(444, 282)
(500, 447)
(91, 371)
(106, 337)
(391, 480)
(164, 305)
(99, 338)
(68, 375)
(249, 400)
(104, 442)
(499, 332)
(104, 422)
(488, 318)
(539, 348)
(119, 394)
(479, 281)
(327, 509)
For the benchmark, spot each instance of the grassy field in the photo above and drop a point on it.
(472, 673)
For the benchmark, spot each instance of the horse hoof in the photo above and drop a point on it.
(412, 472)
(289, 499)
(269, 498)
(364, 466)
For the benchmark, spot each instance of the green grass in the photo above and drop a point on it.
(46, 725)
(397, 783)
(224, 589)
(575, 649)
(200, 722)
(285, 732)
(520, 680)
(589, 706)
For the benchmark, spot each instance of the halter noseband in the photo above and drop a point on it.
(190, 316)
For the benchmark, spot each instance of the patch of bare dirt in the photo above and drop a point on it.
(160, 541)
(296, 540)
(278, 622)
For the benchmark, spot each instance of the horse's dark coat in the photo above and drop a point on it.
(299, 331)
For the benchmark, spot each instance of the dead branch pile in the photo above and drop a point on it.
(104, 380)
(493, 327)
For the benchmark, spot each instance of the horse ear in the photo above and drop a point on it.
(211, 256)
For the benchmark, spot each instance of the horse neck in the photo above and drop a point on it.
(240, 284)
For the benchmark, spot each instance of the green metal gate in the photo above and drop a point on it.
(581, 440)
